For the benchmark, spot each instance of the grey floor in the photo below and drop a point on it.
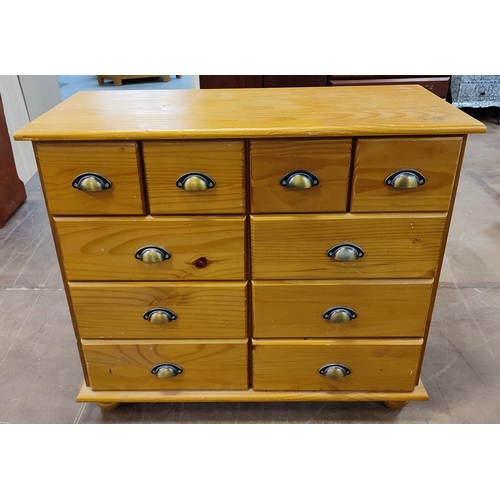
(40, 372)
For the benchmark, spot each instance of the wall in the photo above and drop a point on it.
(24, 98)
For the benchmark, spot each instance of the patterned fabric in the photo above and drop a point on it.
(475, 91)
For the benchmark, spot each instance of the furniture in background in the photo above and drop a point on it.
(475, 91)
(439, 85)
(12, 191)
(118, 79)
(263, 245)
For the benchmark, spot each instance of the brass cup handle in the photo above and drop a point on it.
(299, 179)
(334, 370)
(91, 182)
(345, 252)
(152, 254)
(340, 314)
(160, 316)
(166, 370)
(195, 181)
(405, 179)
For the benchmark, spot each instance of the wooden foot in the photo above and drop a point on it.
(178, 76)
(395, 405)
(107, 406)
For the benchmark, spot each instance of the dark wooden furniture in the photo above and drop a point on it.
(261, 81)
(12, 192)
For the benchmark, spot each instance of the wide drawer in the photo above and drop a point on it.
(344, 308)
(299, 175)
(374, 365)
(190, 177)
(71, 175)
(393, 245)
(108, 249)
(423, 172)
(160, 310)
(130, 365)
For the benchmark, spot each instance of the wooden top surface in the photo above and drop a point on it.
(246, 113)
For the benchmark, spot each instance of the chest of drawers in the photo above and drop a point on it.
(251, 244)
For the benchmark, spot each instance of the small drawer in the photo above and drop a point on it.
(195, 177)
(90, 178)
(404, 175)
(346, 246)
(166, 365)
(343, 308)
(171, 310)
(152, 248)
(299, 175)
(313, 365)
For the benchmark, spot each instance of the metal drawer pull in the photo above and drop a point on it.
(405, 179)
(91, 182)
(334, 370)
(152, 254)
(194, 181)
(345, 252)
(340, 314)
(166, 370)
(160, 316)
(299, 179)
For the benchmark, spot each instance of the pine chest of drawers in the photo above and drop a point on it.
(251, 244)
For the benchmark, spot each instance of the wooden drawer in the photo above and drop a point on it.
(166, 162)
(200, 310)
(61, 163)
(394, 245)
(104, 249)
(375, 365)
(377, 308)
(376, 159)
(127, 365)
(272, 159)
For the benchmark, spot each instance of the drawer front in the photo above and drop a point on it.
(477, 92)
(200, 248)
(118, 162)
(127, 365)
(436, 159)
(161, 310)
(271, 160)
(374, 365)
(393, 245)
(175, 185)
(345, 308)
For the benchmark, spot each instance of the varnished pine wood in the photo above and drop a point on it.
(103, 248)
(87, 395)
(223, 161)
(376, 365)
(126, 365)
(108, 406)
(375, 159)
(384, 308)
(59, 164)
(395, 245)
(271, 159)
(116, 310)
(250, 113)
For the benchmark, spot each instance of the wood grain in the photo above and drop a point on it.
(116, 310)
(250, 113)
(223, 161)
(376, 365)
(375, 159)
(60, 163)
(126, 365)
(103, 248)
(384, 308)
(270, 160)
(86, 394)
(395, 245)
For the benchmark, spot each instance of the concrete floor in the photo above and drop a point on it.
(40, 372)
